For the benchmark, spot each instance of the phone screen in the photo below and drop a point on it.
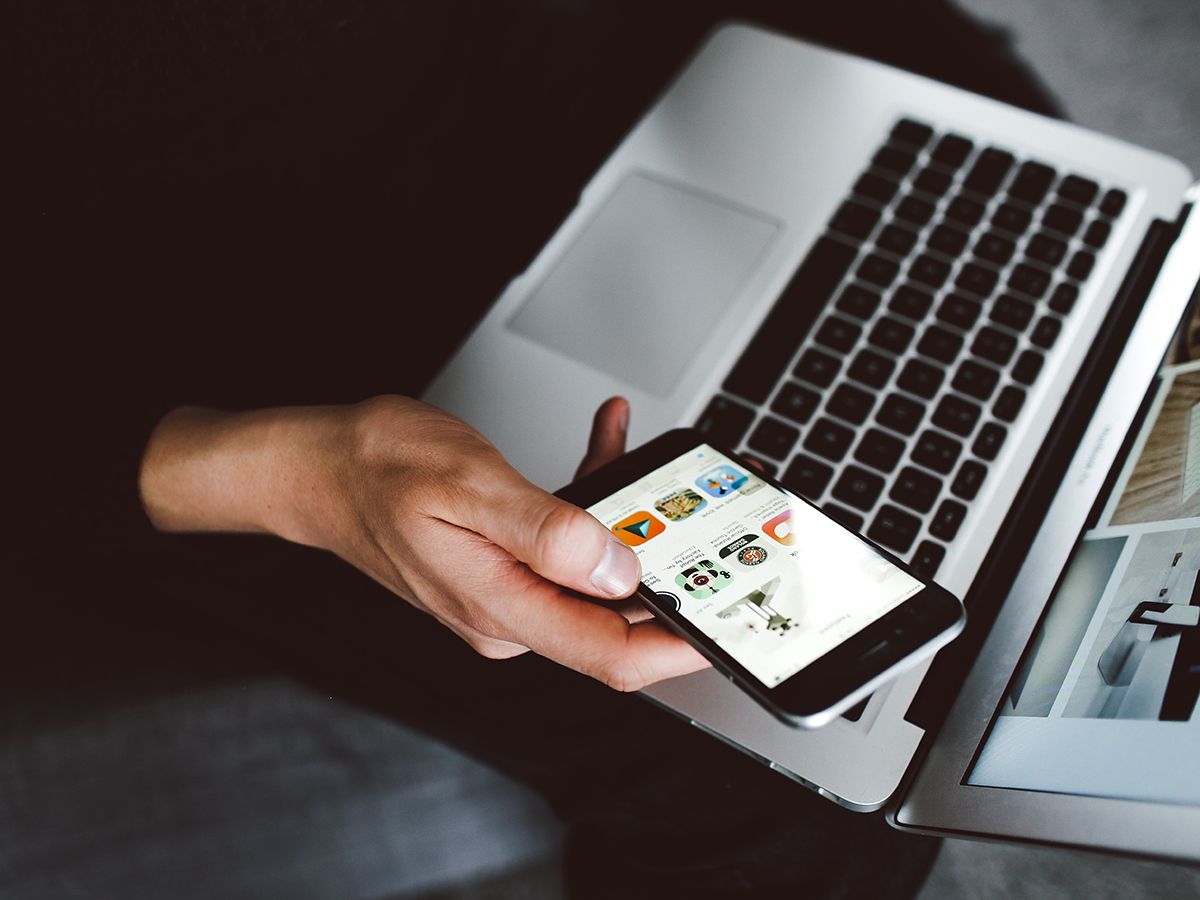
(771, 580)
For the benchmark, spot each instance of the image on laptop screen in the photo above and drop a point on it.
(1104, 701)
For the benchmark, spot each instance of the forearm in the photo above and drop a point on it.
(206, 470)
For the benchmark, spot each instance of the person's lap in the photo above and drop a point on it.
(653, 806)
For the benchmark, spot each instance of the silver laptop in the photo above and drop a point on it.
(944, 319)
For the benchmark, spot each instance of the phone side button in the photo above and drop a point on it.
(876, 649)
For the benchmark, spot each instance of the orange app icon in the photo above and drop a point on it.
(780, 528)
(638, 528)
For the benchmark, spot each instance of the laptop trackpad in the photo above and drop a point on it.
(639, 293)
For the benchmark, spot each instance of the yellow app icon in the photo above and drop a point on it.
(638, 528)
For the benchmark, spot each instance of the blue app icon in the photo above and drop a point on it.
(720, 481)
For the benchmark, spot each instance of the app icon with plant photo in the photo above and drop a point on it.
(679, 505)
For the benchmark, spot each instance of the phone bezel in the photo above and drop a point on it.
(833, 682)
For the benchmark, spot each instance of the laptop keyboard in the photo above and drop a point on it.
(951, 268)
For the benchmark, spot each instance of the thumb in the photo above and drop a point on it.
(557, 540)
(570, 547)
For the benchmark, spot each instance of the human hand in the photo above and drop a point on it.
(426, 506)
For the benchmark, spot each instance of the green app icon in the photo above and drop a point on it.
(703, 579)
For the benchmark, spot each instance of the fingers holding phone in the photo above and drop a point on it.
(499, 560)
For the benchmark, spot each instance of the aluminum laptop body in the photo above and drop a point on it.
(679, 249)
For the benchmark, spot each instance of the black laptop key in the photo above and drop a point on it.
(959, 311)
(1027, 367)
(1062, 219)
(890, 335)
(850, 403)
(928, 558)
(858, 488)
(766, 356)
(725, 421)
(975, 380)
(878, 270)
(1080, 266)
(829, 440)
(875, 188)
(807, 477)
(911, 302)
(895, 162)
(907, 131)
(773, 438)
(1029, 280)
(947, 520)
(956, 415)
(1113, 203)
(967, 482)
(1097, 234)
(995, 249)
(817, 368)
(896, 240)
(879, 450)
(1012, 313)
(1078, 190)
(995, 346)
(900, 413)
(796, 402)
(1046, 249)
(894, 528)
(937, 451)
(1012, 219)
(855, 220)
(931, 181)
(1063, 298)
(1009, 403)
(952, 151)
(915, 210)
(851, 520)
(976, 279)
(838, 334)
(857, 301)
(1031, 183)
(929, 271)
(965, 210)
(940, 344)
(947, 240)
(1045, 333)
(871, 369)
(915, 489)
(989, 440)
(920, 378)
(989, 171)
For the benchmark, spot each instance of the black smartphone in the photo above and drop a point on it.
(803, 614)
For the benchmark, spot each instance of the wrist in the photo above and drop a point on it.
(260, 471)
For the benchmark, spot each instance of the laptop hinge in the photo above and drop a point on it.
(999, 569)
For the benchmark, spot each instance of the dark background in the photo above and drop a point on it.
(241, 204)
(289, 202)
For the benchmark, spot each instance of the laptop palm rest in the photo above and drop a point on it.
(658, 262)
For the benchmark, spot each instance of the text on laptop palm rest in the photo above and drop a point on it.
(953, 268)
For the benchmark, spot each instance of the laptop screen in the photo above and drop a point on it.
(1103, 702)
